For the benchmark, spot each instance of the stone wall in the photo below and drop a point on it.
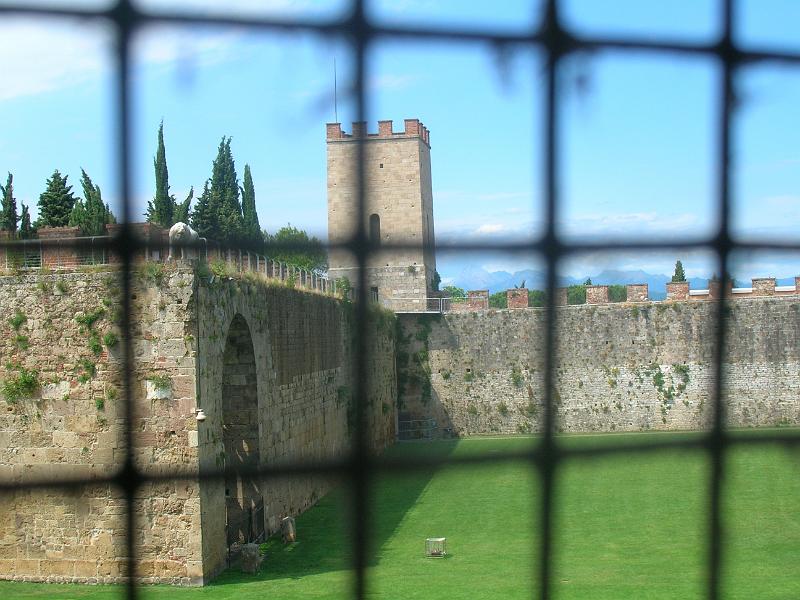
(70, 427)
(301, 344)
(620, 367)
(190, 344)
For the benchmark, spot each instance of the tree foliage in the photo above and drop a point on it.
(309, 253)
(537, 298)
(251, 234)
(89, 213)
(679, 275)
(498, 300)
(26, 230)
(56, 202)
(454, 291)
(181, 214)
(161, 209)
(617, 293)
(218, 213)
(436, 281)
(576, 294)
(8, 209)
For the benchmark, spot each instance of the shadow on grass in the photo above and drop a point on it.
(324, 532)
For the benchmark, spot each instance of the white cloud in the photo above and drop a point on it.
(37, 58)
(489, 228)
(45, 56)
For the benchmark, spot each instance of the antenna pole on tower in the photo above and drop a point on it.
(335, 99)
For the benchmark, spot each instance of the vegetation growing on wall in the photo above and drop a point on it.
(24, 384)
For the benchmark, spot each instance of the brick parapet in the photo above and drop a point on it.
(678, 290)
(763, 286)
(596, 294)
(411, 128)
(477, 299)
(637, 292)
(517, 298)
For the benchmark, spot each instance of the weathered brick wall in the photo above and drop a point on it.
(620, 367)
(517, 298)
(70, 425)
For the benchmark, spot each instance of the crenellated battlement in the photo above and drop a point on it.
(763, 287)
(411, 128)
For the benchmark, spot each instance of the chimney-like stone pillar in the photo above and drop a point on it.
(764, 286)
(678, 290)
(517, 298)
(637, 292)
(596, 294)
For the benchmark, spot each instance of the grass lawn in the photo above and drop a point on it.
(626, 527)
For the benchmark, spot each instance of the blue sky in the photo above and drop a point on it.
(639, 131)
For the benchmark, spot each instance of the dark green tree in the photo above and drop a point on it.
(205, 216)
(161, 209)
(90, 214)
(576, 294)
(252, 230)
(225, 187)
(218, 213)
(309, 253)
(26, 230)
(182, 210)
(436, 281)
(679, 274)
(56, 202)
(498, 300)
(537, 298)
(454, 291)
(588, 281)
(8, 209)
(617, 293)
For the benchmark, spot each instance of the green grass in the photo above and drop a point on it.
(628, 526)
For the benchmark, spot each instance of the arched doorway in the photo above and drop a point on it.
(244, 504)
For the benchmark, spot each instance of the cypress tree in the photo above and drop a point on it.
(56, 202)
(679, 274)
(224, 189)
(161, 209)
(90, 214)
(218, 213)
(26, 230)
(8, 209)
(252, 229)
(181, 214)
(205, 217)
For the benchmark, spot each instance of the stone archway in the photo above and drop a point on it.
(243, 496)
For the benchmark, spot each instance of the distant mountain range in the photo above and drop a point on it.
(476, 278)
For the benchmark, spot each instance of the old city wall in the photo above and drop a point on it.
(302, 344)
(69, 423)
(627, 367)
(60, 334)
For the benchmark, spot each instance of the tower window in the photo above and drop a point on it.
(375, 229)
(381, 165)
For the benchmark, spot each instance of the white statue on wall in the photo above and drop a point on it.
(180, 234)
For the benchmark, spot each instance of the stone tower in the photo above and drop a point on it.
(399, 210)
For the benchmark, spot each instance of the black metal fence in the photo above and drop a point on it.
(556, 42)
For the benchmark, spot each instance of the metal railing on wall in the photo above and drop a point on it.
(555, 40)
